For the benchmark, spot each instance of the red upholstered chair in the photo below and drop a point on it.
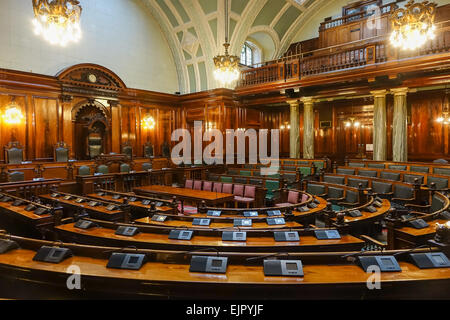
(227, 188)
(249, 196)
(198, 185)
(207, 186)
(304, 197)
(293, 197)
(217, 187)
(238, 190)
(188, 184)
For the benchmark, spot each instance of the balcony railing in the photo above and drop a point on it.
(357, 54)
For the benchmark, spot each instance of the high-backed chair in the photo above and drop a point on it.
(355, 183)
(376, 165)
(197, 185)
(249, 196)
(316, 189)
(334, 179)
(147, 166)
(148, 150)
(345, 171)
(103, 169)
(127, 150)
(292, 198)
(335, 194)
(217, 187)
(188, 184)
(61, 152)
(84, 171)
(390, 176)
(382, 188)
(367, 173)
(16, 176)
(207, 186)
(125, 167)
(14, 153)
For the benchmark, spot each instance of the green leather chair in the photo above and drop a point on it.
(14, 153)
(61, 152)
(102, 169)
(128, 151)
(16, 176)
(125, 167)
(147, 166)
(148, 150)
(84, 171)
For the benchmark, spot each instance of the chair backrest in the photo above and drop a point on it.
(207, 186)
(226, 179)
(148, 151)
(217, 187)
(441, 161)
(61, 154)
(245, 173)
(238, 190)
(367, 173)
(437, 203)
(355, 183)
(14, 155)
(390, 176)
(315, 189)
(397, 167)
(197, 185)
(356, 164)
(381, 187)
(293, 197)
(403, 192)
(441, 183)
(227, 188)
(189, 184)
(333, 179)
(318, 164)
(250, 192)
(125, 167)
(84, 171)
(376, 165)
(345, 171)
(272, 185)
(127, 150)
(335, 193)
(103, 169)
(409, 178)
(16, 176)
(147, 166)
(443, 171)
(419, 169)
(351, 196)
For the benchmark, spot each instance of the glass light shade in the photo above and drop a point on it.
(13, 115)
(58, 22)
(148, 123)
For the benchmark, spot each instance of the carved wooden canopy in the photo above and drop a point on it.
(90, 80)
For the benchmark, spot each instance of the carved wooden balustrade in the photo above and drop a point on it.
(357, 54)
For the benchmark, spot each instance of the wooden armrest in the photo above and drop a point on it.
(411, 199)
(417, 205)
(67, 220)
(349, 203)
(419, 213)
(335, 199)
(372, 240)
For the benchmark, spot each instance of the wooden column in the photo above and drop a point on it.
(379, 125)
(400, 125)
(308, 127)
(294, 133)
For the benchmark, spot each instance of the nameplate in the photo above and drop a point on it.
(116, 196)
(111, 207)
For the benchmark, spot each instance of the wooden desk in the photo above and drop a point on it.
(409, 237)
(98, 212)
(266, 243)
(173, 280)
(138, 203)
(196, 196)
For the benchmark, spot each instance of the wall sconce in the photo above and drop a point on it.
(13, 114)
(285, 126)
(352, 122)
(210, 125)
(445, 117)
(148, 123)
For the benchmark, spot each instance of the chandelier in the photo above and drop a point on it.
(148, 123)
(445, 117)
(12, 115)
(413, 25)
(58, 21)
(227, 67)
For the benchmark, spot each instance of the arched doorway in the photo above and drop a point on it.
(92, 133)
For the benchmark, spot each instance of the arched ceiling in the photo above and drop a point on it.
(195, 30)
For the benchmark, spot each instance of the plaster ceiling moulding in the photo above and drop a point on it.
(189, 43)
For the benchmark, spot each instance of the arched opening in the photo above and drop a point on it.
(92, 131)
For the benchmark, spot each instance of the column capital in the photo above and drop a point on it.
(307, 100)
(293, 103)
(400, 91)
(379, 93)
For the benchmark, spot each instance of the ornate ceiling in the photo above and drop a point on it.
(195, 31)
